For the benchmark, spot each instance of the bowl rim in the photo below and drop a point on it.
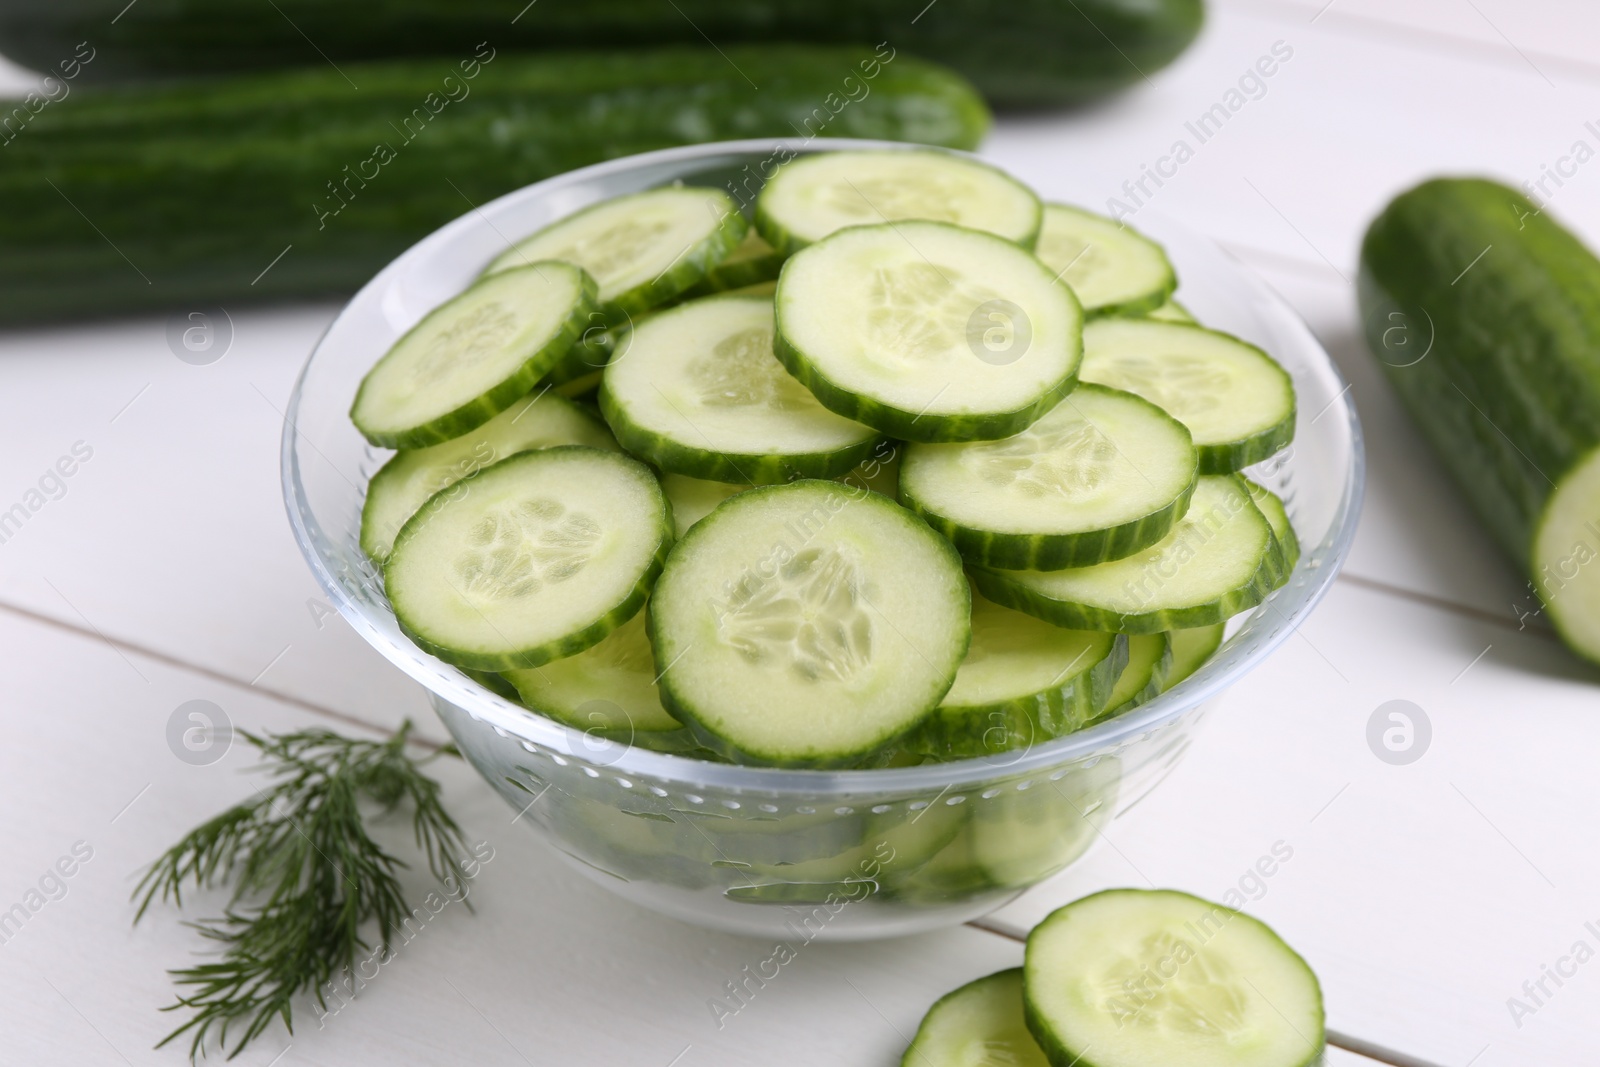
(534, 731)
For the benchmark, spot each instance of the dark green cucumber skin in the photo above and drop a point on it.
(1024, 53)
(169, 197)
(1509, 393)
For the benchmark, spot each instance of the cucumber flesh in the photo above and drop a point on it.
(808, 624)
(1278, 517)
(404, 484)
(474, 356)
(979, 1025)
(1113, 269)
(927, 331)
(1190, 649)
(817, 195)
(1172, 311)
(534, 558)
(1565, 556)
(1132, 977)
(1237, 402)
(1022, 682)
(1100, 476)
(1149, 660)
(608, 691)
(1219, 560)
(642, 249)
(697, 391)
(694, 498)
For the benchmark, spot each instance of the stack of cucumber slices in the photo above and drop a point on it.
(911, 468)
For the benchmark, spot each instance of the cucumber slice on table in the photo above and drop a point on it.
(1219, 560)
(753, 262)
(1133, 978)
(1172, 311)
(474, 356)
(927, 331)
(808, 624)
(405, 483)
(814, 196)
(608, 691)
(1113, 269)
(1022, 682)
(1100, 476)
(534, 558)
(1145, 676)
(697, 391)
(643, 249)
(1190, 649)
(979, 1025)
(1234, 398)
(1278, 516)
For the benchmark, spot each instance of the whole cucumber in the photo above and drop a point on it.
(1485, 315)
(1018, 53)
(297, 184)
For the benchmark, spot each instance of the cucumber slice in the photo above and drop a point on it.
(697, 391)
(578, 387)
(693, 499)
(1100, 476)
(494, 682)
(1190, 649)
(406, 482)
(808, 624)
(643, 249)
(753, 262)
(1113, 269)
(1134, 977)
(1172, 311)
(473, 356)
(534, 558)
(927, 331)
(1219, 560)
(1278, 517)
(1563, 554)
(1022, 682)
(608, 691)
(814, 196)
(1235, 399)
(979, 1025)
(1149, 660)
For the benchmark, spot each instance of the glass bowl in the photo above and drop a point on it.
(799, 854)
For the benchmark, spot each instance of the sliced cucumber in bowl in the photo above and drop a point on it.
(1113, 269)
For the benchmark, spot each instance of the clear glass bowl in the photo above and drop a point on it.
(830, 854)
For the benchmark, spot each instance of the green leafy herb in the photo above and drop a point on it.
(307, 878)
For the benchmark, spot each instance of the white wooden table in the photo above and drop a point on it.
(1424, 895)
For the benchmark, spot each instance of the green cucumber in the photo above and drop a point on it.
(1145, 676)
(1022, 682)
(534, 558)
(1171, 311)
(1190, 649)
(473, 356)
(641, 250)
(1234, 398)
(1022, 55)
(928, 331)
(1136, 977)
(1485, 314)
(752, 263)
(404, 484)
(808, 624)
(295, 184)
(1219, 560)
(1112, 269)
(1100, 476)
(979, 1025)
(1278, 518)
(697, 391)
(814, 196)
(694, 498)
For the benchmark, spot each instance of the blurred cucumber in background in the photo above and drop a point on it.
(1019, 53)
(143, 197)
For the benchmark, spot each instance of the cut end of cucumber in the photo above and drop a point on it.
(817, 195)
(1113, 269)
(1566, 557)
(1130, 978)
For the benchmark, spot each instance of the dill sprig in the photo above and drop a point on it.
(307, 878)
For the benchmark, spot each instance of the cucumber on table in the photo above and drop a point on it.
(1113, 269)
(887, 324)
(294, 184)
(1485, 315)
(1135, 977)
(1054, 52)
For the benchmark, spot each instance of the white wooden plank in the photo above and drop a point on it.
(549, 970)
(1423, 895)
